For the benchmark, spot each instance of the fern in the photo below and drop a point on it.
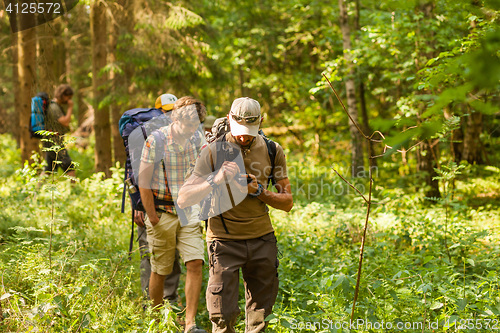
(181, 17)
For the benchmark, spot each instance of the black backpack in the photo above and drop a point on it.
(135, 126)
(221, 127)
(128, 124)
(219, 130)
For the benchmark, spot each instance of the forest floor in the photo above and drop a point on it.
(428, 265)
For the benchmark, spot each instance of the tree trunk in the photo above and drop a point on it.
(59, 52)
(425, 165)
(425, 156)
(473, 148)
(366, 126)
(78, 84)
(119, 154)
(47, 78)
(364, 111)
(131, 8)
(357, 165)
(27, 83)
(12, 123)
(98, 24)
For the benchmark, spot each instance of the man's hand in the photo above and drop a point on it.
(226, 173)
(253, 186)
(139, 218)
(154, 219)
(70, 103)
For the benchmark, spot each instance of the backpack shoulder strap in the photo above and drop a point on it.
(159, 142)
(271, 151)
(219, 146)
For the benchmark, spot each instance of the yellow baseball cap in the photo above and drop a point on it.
(165, 102)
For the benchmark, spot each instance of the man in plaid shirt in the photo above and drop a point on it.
(167, 226)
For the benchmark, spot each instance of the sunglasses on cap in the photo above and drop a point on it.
(248, 120)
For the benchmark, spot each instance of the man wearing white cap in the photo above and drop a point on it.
(241, 237)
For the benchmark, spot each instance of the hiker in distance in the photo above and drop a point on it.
(165, 103)
(241, 237)
(57, 120)
(168, 227)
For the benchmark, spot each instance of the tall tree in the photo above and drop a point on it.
(15, 78)
(473, 149)
(47, 76)
(362, 98)
(122, 22)
(27, 83)
(98, 30)
(350, 85)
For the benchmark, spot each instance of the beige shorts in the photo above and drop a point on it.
(167, 235)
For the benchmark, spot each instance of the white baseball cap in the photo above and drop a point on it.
(245, 117)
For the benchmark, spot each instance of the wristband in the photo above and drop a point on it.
(210, 181)
(260, 189)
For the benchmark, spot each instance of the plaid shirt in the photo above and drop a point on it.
(178, 162)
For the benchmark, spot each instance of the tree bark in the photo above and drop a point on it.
(102, 131)
(425, 156)
(131, 9)
(357, 164)
(425, 165)
(364, 111)
(366, 126)
(11, 124)
(473, 147)
(47, 77)
(27, 83)
(59, 52)
(118, 12)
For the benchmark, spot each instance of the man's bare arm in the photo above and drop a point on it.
(193, 191)
(197, 188)
(147, 197)
(282, 200)
(65, 120)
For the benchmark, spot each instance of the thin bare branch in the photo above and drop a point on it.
(343, 106)
(362, 249)
(345, 180)
(379, 133)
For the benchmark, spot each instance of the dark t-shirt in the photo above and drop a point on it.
(249, 219)
(54, 112)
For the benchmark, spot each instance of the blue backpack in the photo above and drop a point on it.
(129, 122)
(39, 106)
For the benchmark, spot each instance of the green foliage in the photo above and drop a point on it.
(426, 67)
(420, 263)
(68, 270)
(407, 274)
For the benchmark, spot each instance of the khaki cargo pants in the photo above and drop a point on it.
(258, 261)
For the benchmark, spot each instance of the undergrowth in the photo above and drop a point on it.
(424, 263)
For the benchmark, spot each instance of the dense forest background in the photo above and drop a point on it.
(420, 78)
(429, 69)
